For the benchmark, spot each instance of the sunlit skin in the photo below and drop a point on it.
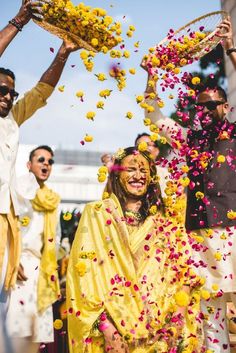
(41, 170)
(152, 148)
(211, 117)
(135, 177)
(6, 101)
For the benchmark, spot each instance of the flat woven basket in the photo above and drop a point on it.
(206, 24)
(65, 35)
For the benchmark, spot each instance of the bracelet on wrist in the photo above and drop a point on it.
(16, 23)
(101, 323)
(230, 50)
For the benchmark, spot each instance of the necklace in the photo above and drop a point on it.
(133, 218)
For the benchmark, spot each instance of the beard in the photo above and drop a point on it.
(207, 121)
(4, 112)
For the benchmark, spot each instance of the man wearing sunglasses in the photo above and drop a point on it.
(12, 115)
(37, 284)
(211, 195)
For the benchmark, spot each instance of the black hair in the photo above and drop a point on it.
(139, 136)
(218, 89)
(7, 72)
(153, 194)
(42, 147)
(163, 148)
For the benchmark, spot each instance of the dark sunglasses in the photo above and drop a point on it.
(4, 90)
(43, 159)
(210, 105)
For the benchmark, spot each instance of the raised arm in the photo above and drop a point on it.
(228, 41)
(168, 127)
(52, 75)
(37, 97)
(15, 25)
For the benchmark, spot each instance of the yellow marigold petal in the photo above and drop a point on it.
(88, 138)
(132, 71)
(205, 294)
(58, 324)
(218, 256)
(129, 115)
(221, 158)
(182, 298)
(142, 146)
(61, 88)
(102, 177)
(79, 94)
(215, 287)
(196, 80)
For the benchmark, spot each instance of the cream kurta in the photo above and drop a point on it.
(133, 276)
(9, 140)
(9, 207)
(23, 319)
(214, 258)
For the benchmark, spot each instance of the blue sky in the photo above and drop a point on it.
(62, 122)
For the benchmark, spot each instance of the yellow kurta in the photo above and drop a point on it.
(132, 276)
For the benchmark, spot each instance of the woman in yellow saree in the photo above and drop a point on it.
(130, 287)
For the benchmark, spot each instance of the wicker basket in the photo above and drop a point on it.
(65, 35)
(72, 28)
(209, 23)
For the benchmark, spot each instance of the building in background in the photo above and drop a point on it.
(74, 175)
(230, 7)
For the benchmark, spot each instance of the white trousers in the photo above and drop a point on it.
(215, 328)
(23, 318)
(5, 342)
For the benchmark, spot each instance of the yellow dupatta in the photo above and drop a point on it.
(47, 201)
(100, 260)
(10, 223)
(109, 269)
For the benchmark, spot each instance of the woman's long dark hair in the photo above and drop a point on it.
(153, 194)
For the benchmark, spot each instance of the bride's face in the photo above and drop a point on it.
(135, 176)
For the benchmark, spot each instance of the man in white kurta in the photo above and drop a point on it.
(7, 223)
(214, 255)
(11, 117)
(28, 322)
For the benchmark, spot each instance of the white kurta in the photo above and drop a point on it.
(10, 189)
(9, 141)
(222, 243)
(23, 319)
(9, 137)
(164, 177)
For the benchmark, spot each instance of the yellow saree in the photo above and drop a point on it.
(133, 277)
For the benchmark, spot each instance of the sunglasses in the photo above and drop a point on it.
(210, 105)
(43, 159)
(4, 90)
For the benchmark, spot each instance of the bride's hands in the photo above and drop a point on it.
(114, 343)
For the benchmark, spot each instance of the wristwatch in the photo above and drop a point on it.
(230, 50)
